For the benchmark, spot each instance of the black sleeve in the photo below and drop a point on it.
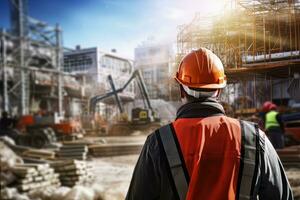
(274, 185)
(145, 182)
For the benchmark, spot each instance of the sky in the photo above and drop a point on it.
(115, 24)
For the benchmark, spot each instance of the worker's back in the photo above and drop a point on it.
(218, 158)
(203, 154)
(211, 148)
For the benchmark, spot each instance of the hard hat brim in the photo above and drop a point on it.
(203, 86)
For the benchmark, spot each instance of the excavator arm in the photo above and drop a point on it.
(114, 92)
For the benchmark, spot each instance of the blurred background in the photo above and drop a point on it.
(83, 83)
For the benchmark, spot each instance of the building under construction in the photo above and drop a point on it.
(258, 43)
(31, 65)
(74, 120)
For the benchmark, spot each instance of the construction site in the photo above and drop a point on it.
(74, 120)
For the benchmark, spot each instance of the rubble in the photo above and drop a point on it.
(53, 193)
(7, 157)
(12, 194)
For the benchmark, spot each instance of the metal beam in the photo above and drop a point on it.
(4, 74)
(23, 101)
(59, 68)
(111, 82)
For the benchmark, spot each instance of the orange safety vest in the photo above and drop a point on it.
(212, 158)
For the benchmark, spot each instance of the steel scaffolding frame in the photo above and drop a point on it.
(29, 40)
(251, 28)
(257, 41)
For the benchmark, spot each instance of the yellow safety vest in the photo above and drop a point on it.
(271, 120)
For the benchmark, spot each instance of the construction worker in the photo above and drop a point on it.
(204, 154)
(5, 121)
(274, 126)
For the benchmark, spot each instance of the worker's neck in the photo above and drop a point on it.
(186, 100)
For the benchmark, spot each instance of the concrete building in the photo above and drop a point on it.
(97, 65)
(154, 61)
(94, 66)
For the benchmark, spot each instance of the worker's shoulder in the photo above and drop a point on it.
(152, 140)
(230, 120)
(255, 130)
(239, 121)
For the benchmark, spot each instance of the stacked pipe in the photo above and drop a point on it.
(73, 151)
(102, 150)
(39, 154)
(73, 172)
(34, 176)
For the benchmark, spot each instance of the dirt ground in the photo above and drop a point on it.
(113, 174)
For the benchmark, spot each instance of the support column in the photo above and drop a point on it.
(59, 69)
(4, 74)
(24, 94)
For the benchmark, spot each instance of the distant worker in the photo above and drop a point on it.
(5, 121)
(204, 154)
(273, 125)
(6, 124)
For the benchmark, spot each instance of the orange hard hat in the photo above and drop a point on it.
(201, 69)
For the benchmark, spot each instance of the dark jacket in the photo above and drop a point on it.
(151, 177)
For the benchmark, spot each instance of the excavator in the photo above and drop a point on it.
(141, 118)
(40, 131)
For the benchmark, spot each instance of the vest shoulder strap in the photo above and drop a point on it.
(175, 163)
(249, 164)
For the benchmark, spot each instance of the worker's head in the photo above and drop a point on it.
(200, 75)
(268, 106)
(273, 107)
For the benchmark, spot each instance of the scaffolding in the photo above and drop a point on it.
(257, 41)
(29, 46)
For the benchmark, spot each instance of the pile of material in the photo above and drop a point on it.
(12, 194)
(73, 151)
(39, 154)
(73, 172)
(7, 160)
(91, 192)
(34, 176)
(102, 150)
(290, 156)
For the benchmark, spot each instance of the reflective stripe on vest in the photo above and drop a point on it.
(249, 160)
(271, 120)
(248, 167)
(175, 164)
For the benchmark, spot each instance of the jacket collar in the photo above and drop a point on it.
(200, 109)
